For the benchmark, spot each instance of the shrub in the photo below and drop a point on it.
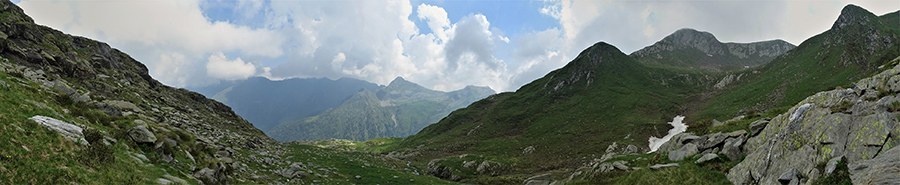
(894, 107)
(701, 127)
(841, 175)
(96, 152)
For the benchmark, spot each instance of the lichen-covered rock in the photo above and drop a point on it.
(883, 169)
(811, 133)
(140, 134)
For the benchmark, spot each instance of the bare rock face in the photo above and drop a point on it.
(883, 169)
(812, 133)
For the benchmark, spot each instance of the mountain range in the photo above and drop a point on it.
(75, 110)
(398, 110)
(267, 103)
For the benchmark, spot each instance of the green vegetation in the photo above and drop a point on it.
(710, 172)
(37, 155)
(840, 176)
(561, 117)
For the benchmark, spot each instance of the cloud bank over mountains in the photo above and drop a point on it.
(194, 43)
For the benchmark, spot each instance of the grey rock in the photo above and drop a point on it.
(542, 179)
(713, 140)
(732, 148)
(469, 164)
(812, 176)
(166, 157)
(883, 169)
(798, 114)
(706, 157)
(163, 181)
(678, 141)
(490, 168)
(611, 148)
(757, 126)
(631, 149)
(790, 175)
(607, 156)
(810, 133)
(528, 150)
(737, 133)
(685, 151)
(206, 175)
(663, 166)
(140, 134)
(67, 130)
(621, 165)
(832, 164)
(605, 167)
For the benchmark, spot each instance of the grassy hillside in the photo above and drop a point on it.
(569, 115)
(826, 61)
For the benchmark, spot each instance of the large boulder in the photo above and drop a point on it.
(140, 134)
(685, 151)
(678, 141)
(67, 130)
(811, 133)
(732, 148)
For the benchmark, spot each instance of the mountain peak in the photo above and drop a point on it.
(399, 81)
(853, 15)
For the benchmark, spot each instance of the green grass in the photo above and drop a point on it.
(346, 165)
(711, 172)
(53, 159)
(840, 176)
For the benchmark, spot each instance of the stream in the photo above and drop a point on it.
(416, 171)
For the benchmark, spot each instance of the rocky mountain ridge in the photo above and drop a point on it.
(691, 49)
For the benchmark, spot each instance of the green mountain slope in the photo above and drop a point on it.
(856, 46)
(398, 110)
(689, 49)
(266, 103)
(601, 97)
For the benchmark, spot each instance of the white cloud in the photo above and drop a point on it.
(154, 32)
(220, 67)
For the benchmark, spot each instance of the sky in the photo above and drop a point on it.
(443, 45)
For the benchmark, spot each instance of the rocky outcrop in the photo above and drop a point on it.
(815, 132)
(883, 169)
(67, 130)
(709, 53)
